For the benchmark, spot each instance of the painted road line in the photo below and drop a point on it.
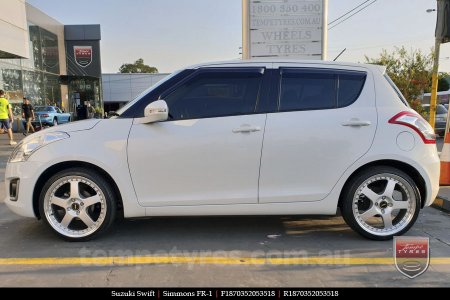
(154, 260)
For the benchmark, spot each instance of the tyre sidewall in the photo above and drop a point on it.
(104, 186)
(350, 191)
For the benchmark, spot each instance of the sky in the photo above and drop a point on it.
(171, 34)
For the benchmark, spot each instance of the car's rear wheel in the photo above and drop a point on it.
(77, 204)
(381, 202)
(55, 122)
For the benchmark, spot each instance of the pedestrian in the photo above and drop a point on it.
(90, 110)
(28, 115)
(6, 116)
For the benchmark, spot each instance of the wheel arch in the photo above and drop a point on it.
(49, 172)
(408, 169)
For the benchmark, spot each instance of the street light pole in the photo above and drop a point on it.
(434, 85)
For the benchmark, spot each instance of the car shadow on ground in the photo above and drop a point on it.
(301, 235)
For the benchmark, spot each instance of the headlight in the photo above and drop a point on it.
(23, 151)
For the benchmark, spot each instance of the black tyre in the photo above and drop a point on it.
(55, 122)
(381, 202)
(77, 204)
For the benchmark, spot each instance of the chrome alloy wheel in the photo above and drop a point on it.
(75, 206)
(384, 204)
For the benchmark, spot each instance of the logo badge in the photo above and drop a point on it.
(412, 255)
(50, 56)
(83, 55)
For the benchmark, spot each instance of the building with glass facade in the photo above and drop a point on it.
(51, 63)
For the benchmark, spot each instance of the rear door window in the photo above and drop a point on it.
(309, 89)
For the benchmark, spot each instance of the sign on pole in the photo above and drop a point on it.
(443, 21)
(285, 28)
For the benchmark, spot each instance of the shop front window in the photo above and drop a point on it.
(11, 81)
(36, 77)
(83, 91)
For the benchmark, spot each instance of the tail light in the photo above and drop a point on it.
(417, 123)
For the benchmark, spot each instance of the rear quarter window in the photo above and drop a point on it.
(350, 87)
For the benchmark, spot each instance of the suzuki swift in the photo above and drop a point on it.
(237, 138)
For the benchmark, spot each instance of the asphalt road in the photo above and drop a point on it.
(277, 251)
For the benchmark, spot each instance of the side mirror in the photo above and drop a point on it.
(155, 112)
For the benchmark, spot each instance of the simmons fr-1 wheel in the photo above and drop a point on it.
(77, 204)
(381, 202)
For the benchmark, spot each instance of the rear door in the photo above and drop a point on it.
(326, 120)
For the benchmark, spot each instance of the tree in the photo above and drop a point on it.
(411, 72)
(137, 67)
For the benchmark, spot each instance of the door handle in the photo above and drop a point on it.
(246, 128)
(356, 123)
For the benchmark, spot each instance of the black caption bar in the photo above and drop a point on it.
(218, 293)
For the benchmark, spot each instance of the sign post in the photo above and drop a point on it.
(289, 28)
(442, 36)
(246, 29)
(434, 83)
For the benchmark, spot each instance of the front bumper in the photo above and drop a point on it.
(27, 173)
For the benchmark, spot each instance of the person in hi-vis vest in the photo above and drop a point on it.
(6, 116)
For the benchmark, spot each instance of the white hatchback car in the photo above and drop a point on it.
(237, 138)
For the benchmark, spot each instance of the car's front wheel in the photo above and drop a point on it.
(77, 204)
(381, 202)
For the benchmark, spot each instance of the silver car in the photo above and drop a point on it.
(441, 118)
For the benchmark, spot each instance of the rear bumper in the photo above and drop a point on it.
(45, 122)
(429, 167)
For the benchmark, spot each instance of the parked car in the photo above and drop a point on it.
(50, 116)
(237, 138)
(441, 118)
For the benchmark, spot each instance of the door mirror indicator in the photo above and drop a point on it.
(155, 112)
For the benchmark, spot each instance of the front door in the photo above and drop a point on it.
(209, 150)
